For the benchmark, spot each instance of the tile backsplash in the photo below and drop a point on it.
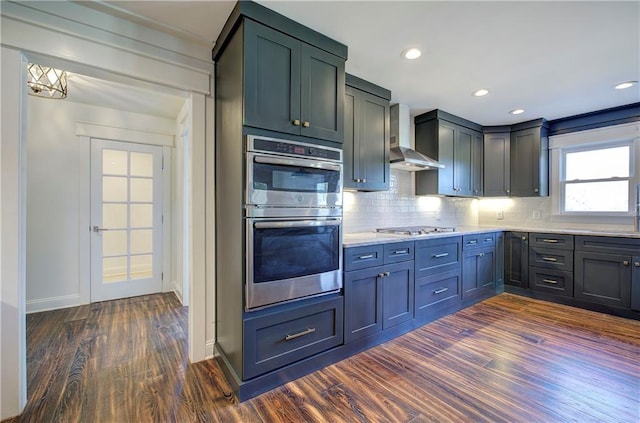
(366, 211)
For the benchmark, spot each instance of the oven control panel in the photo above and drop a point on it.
(296, 149)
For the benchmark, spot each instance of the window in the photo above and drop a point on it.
(596, 179)
(593, 174)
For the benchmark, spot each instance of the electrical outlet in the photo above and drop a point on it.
(499, 215)
(536, 214)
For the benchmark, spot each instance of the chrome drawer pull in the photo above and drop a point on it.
(550, 241)
(440, 291)
(550, 281)
(549, 259)
(474, 241)
(488, 239)
(440, 255)
(299, 334)
(367, 256)
(398, 252)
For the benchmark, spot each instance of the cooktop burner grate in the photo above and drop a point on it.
(416, 230)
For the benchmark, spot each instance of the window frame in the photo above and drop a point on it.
(607, 137)
(593, 147)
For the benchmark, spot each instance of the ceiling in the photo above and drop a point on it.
(553, 59)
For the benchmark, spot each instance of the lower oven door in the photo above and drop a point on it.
(291, 259)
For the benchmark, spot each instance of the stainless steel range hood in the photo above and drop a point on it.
(401, 155)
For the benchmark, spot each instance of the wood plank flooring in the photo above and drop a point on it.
(509, 359)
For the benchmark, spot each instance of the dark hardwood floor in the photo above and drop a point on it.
(507, 359)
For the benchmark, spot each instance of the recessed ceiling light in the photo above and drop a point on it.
(517, 111)
(623, 85)
(411, 53)
(481, 92)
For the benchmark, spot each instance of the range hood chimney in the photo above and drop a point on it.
(402, 156)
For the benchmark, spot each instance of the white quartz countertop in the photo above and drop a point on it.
(372, 238)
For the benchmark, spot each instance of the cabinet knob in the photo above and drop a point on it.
(296, 122)
(535, 190)
(507, 191)
(636, 263)
(305, 124)
(524, 238)
(625, 262)
(363, 180)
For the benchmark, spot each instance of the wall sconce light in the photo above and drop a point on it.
(46, 82)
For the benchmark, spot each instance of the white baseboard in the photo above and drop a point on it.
(210, 350)
(53, 303)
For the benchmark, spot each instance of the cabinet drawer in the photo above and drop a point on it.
(278, 339)
(434, 290)
(551, 281)
(437, 256)
(398, 251)
(478, 240)
(608, 245)
(543, 240)
(551, 258)
(362, 257)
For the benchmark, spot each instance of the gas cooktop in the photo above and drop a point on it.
(416, 230)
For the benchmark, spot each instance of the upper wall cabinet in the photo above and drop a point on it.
(529, 159)
(497, 161)
(287, 78)
(366, 136)
(455, 142)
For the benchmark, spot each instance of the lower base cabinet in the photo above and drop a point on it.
(378, 297)
(600, 273)
(478, 266)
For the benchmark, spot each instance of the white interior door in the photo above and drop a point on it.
(126, 219)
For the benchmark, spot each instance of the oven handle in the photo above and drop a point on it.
(297, 223)
(296, 162)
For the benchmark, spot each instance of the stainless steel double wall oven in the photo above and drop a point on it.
(293, 220)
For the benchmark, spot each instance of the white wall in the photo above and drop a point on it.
(57, 196)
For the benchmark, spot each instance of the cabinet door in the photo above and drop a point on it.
(446, 141)
(397, 294)
(529, 155)
(322, 94)
(363, 303)
(373, 143)
(462, 156)
(635, 285)
(497, 176)
(271, 79)
(350, 156)
(603, 278)
(478, 271)
(477, 164)
(517, 259)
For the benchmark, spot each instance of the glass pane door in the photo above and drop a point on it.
(126, 219)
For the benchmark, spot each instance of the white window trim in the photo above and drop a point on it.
(625, 134)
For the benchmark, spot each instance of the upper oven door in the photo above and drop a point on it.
(280, 181)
